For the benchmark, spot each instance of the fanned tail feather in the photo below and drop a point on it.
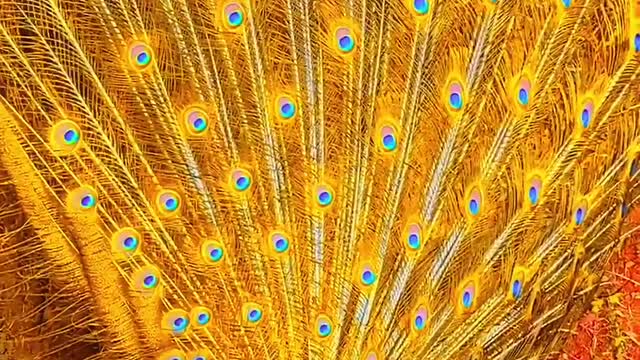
(329, 179)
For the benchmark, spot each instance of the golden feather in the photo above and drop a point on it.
(327, 179)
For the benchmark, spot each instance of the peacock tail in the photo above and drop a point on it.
(311, 179)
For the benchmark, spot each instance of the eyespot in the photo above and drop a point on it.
(456, 100)
(345, 40)
(201, 316)
(168, 202)
(279, 242)
(421, 7)
(474, 202)
(255, 315)
(368, 276)
(252, 313)
(586, 115)
(535, 187)
(177, 321)
(388, 138)
(516, 289)
(82, 199)
(324, 326)
(286, 108)
(524, 91)
(196, 120)
(517, 283)
(198, 355)
(567, 3)
(233, 15)
(413, 236)
(240, 180)
(212, 252)
(324, 195)
(146, 279)
(65, 137)
(140, 55)
(173, 355)
(420, 319)
(125, 241)
(636, 42)
(467, 296)
(580, 213)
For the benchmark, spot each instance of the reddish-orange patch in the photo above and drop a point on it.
(613, 330)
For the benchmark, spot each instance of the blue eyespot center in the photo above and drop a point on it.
(414, 241)
(516, 289)
(130, 242)
(346, 43)
(474, 207)
(235, 18)
(255, 315)
(523, 97)
(389, 142)
(368, 277)
(636, 42)
(203, 318)
(171, 204)
(143, 58)
(419, 322)
(281, 245)
(242, 183)
(71, 137)
(421, 6)
(455, 100)
(586, 118)
(533, 195)
(216, 254)
(287, 110)
(580, 214)
(180, 323)
(325, 198)
(150, 281)
(567, 3)
(467, 299)
(87, 201)
(199, 124)
(325, 329)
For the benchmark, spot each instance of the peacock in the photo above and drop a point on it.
(311, 179)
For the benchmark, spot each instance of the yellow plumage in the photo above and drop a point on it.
(327, 179)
